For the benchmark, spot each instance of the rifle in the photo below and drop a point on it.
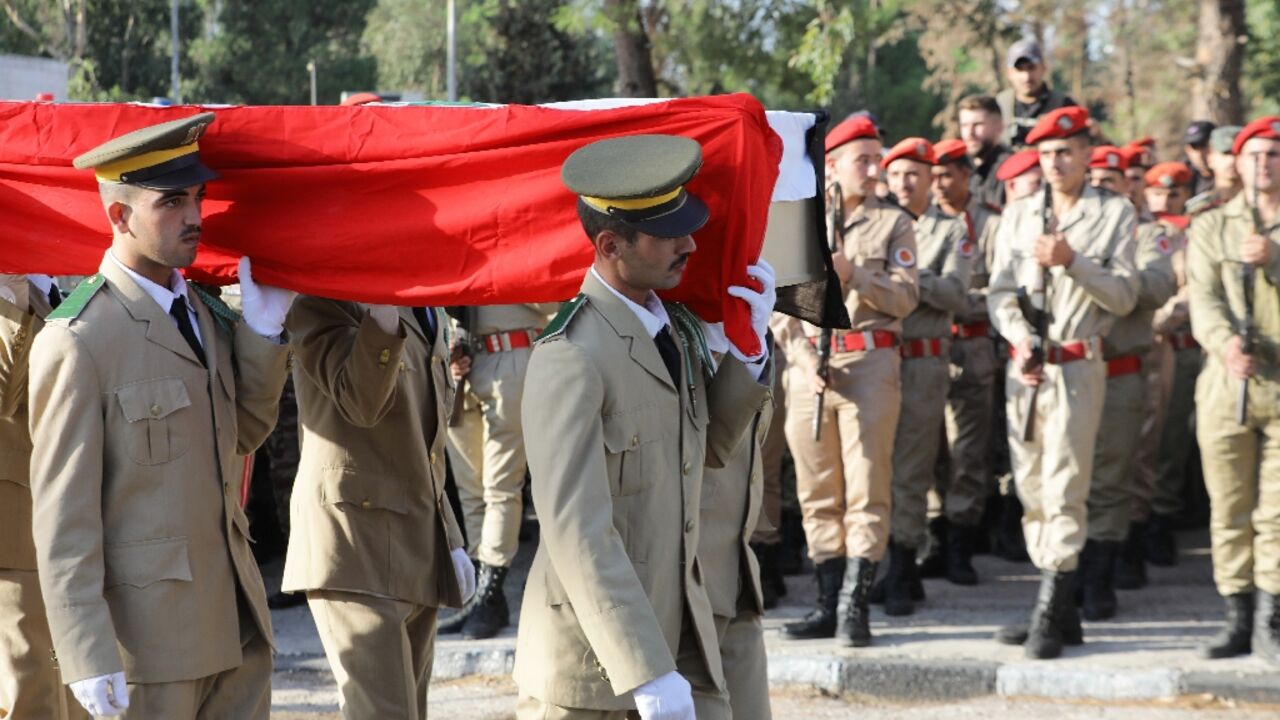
(836, 195)
(460, 348)
(1245, 327)
(1034, 306)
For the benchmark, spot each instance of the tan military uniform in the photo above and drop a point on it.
(732, 498)
(971, 400)
(372, 529)
(486, 447)
(946, 262)
(135, 477)
(30, 685)
(1119, 434)
(844, 480)
(1241, 463)
(774, 444)
(616, 596)
(1054, 469)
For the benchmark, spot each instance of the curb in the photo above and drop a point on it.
(906, 679)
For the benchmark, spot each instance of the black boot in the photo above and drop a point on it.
(454, 622)
(1010, 542)
(1097, 571)
(1045, 638)
(1068, 620)
(1131, 565)
(853, 621)
(898, 600)
(282, 600)
(490, 613)
(1162, 549)
(1266, 628)
(1234, 638)
(960, 540)
(934, 564)
(791, 552)
(821, 621)
(772, 586)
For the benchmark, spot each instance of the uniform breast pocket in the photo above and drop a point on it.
(632, 441)
(157, 413)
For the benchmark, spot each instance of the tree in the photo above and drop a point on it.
(631, 49)
(1215, 91)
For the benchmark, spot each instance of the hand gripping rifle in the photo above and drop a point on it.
(835, 197)
(1245, 326)
(1035, 309)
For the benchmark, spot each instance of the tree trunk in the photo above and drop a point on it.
(1215, 93)
(631, 47)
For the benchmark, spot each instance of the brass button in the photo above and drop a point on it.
(385, 356)
(434, 455)
(403, 367)
(688, 526)
(435, 360)
(686, 467)
(635, 440)
(155, 411)
(366, 504)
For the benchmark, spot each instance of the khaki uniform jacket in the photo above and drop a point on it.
(982, 221)
(1217, 299)
(18, 329)
(1085, 297)
(946, 263)
(135, 475)
(368, 512)
(1175, 315)
(1133, 333)
(616, 455)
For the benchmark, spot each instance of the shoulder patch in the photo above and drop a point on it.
(74, 304)
(560, 322)
(223, 316)
(1163, 244)
(904, 257)
(965, 248)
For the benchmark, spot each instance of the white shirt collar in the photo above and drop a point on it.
(162, 295)
(653, 315)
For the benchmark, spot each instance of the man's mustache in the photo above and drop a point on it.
(191, 231)
(680, 262)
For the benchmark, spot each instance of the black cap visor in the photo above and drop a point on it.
(175, 174)
(683, 215)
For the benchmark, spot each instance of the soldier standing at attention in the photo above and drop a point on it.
(945, 257)
(844, 477)
(486, 448)
(146, 391)
(1233, 271)
(615, 617)
(1226, 179)
(1066, 253)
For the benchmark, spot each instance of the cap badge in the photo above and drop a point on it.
(1113, 160)
(920, 149)
(1275, 126)
(1166, 180)
(1065, 123)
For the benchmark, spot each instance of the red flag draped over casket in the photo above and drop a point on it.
(411, 205)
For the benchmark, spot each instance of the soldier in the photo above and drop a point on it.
(844, 477)
(970, 402)
(1029, 95)
(615, 616)
(30, 685)
(375, 545)
(1063, 272)
(945, 262)
(282, 453)
(146, 392)
(1226, 180)
(1021, 175)
(1107, 168)
(1123, 411)
(767, 539)
(982, 130)
(1195, 146)
(486, 450)
(1139, 160)
(1233, 272)
(1173, 360)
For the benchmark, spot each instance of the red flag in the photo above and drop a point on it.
(419, 205)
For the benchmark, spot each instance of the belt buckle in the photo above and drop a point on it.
(868, 340)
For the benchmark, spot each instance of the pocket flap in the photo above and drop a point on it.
(149, 561)
(631, 429)
(155, 399)
(367, 491)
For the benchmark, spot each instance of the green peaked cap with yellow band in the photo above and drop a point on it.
(159, 157)
(640, 179)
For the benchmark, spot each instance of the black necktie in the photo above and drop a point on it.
(55, 297)
(179, 312)
(669, 352)
(426, 320)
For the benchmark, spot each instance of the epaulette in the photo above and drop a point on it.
(1200, 203)
(560, 322)
(74, 304)
(223, 316)
(689, 327)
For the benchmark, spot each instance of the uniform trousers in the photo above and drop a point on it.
(1119, 435)
(921, 418)
(30, 684)
(970, 413)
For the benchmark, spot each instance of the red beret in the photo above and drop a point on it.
(1264, 127)
(1145, 141)
(1109, 157)
(853, 128)
(912, 148)
(361, 98)
(950, 150)
(1017, 164)
(1059, 124)
(1136, 156)
(1168, 174)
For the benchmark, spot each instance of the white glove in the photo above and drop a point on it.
(264, 307)
(105, 695)
(465, 571)
(761, 307)
(665, 698)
